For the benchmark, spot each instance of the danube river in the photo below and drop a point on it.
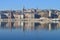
(29, 31)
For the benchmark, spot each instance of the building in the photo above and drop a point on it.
(30, 14)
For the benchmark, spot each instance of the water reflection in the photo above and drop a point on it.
(29, 25)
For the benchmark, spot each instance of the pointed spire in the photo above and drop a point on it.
(23, 8)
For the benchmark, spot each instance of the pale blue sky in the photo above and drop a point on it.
(18, 4)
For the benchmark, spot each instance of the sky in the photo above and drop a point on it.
(18, 4)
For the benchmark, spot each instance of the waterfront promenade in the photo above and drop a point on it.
(31, 20)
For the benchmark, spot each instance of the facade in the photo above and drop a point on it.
(30, 14)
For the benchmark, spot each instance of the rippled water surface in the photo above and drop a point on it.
(29, 31)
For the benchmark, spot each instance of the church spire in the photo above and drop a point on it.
(24, 8)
